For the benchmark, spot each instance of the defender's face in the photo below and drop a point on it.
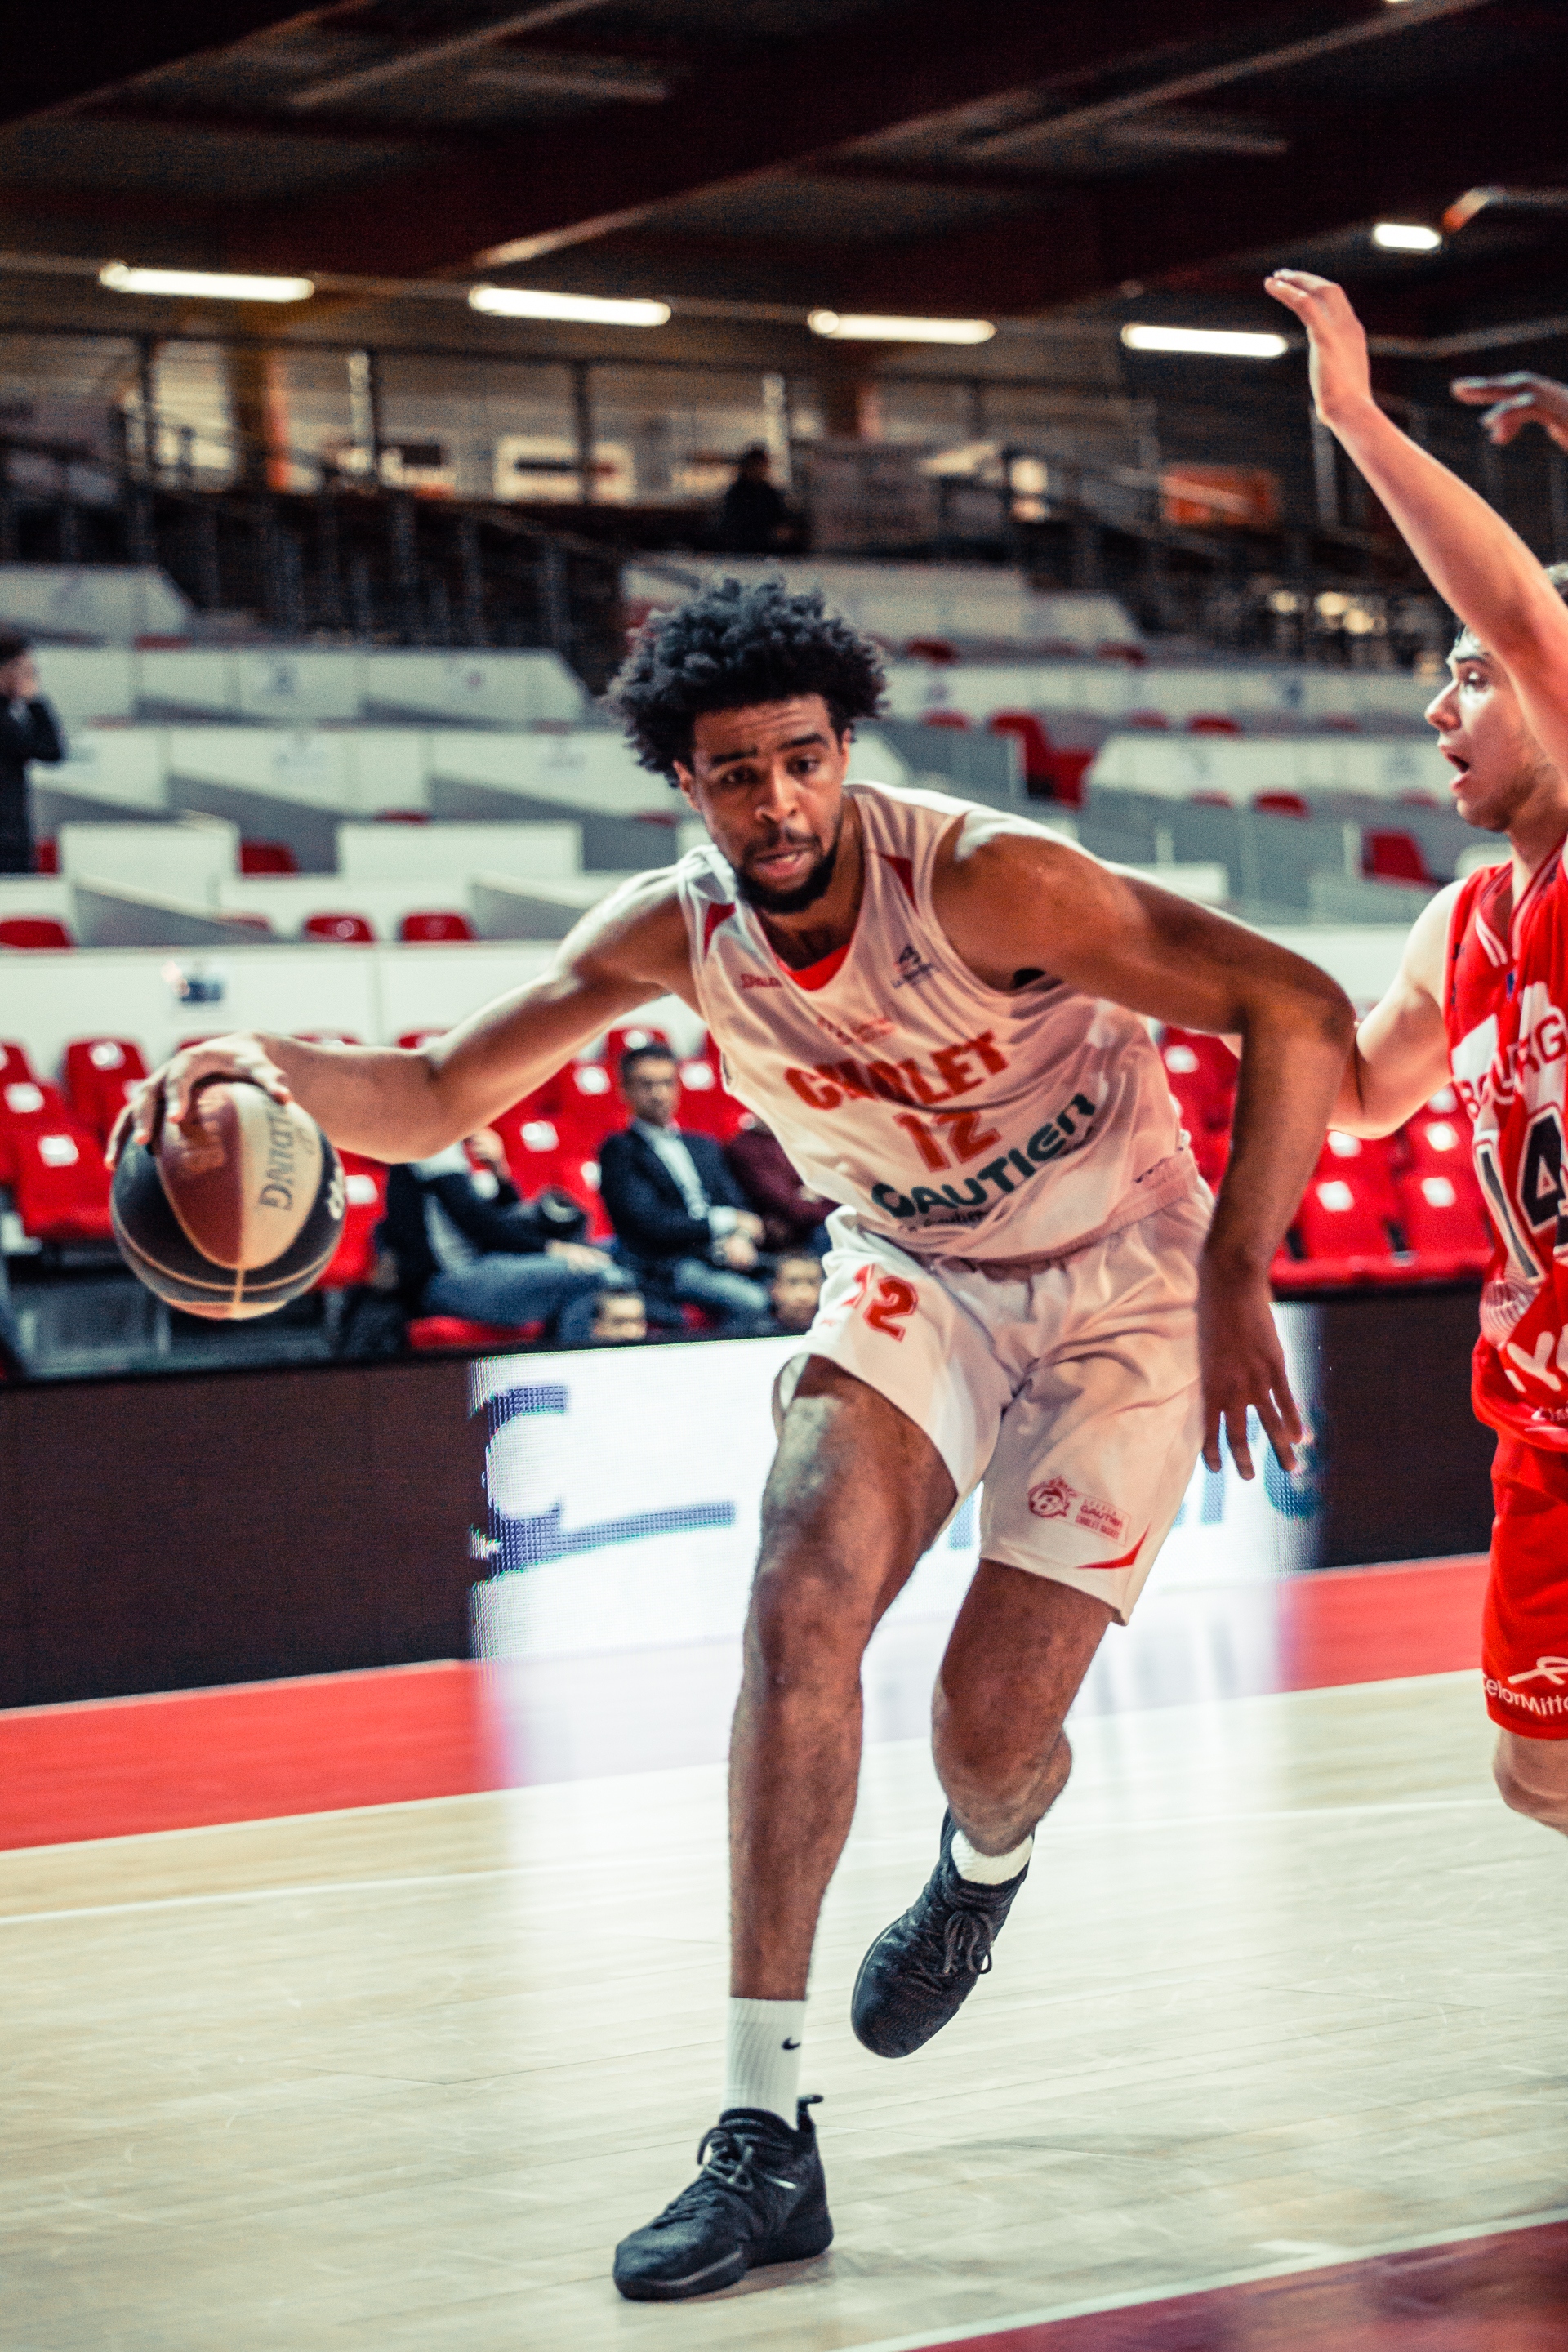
(1497, 762)
(768, 782)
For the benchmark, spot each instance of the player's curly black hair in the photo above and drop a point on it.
(734, 645)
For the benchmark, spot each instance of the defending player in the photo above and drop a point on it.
(937, 1011)
(1480, 991)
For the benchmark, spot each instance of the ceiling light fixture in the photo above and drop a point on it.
(1213, 343)
(1406, 237)
(576, 310)
(221, 286)
(854, 327)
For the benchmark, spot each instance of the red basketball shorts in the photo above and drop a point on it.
(1524, 1626)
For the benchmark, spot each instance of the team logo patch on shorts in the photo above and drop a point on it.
(1054, 1498)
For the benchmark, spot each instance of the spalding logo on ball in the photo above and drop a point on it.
(236, 1210)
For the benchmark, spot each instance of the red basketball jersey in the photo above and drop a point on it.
(1508, 1046)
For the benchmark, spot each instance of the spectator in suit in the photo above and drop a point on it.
(680, 1217)
(28, 731)
(793, 1218)
(464, 1245)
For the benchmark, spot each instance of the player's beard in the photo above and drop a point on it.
(804, 894)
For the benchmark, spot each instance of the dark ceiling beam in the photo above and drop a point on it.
(1384, 162)
(751, 115)
(61, 56)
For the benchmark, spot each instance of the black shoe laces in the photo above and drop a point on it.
(947, 1946)
(731, 2164)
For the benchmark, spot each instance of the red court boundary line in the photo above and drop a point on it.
(396, 1734)
(247, 1751)
(1485, 2289)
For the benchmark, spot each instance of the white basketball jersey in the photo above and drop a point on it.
(955, 1119)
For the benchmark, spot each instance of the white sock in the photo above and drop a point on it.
(761, 2067)
(988, 1869)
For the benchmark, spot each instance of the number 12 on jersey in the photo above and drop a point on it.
(884, 1300)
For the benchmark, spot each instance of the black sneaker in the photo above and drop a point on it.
(759, 2197)
(922, 1970)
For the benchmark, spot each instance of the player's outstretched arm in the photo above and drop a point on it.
(397, 1106)
(1400, 1053)
(1012, 902)
(1478, 564)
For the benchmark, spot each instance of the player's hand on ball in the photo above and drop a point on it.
(167, 1092)
(1514, 400)
(1341, 373)
(1243, 1367)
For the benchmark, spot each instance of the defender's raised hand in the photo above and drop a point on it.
(1514, 400)
(1342, 376)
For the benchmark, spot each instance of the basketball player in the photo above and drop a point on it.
(937, 1009)
(1479, 994)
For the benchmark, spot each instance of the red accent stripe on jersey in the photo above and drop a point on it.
(817, 975)
(1126, 1560)
(711, 922)
(904, 867)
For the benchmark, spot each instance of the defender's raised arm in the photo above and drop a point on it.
(1478, 564)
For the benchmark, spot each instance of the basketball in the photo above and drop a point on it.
(234, 1213)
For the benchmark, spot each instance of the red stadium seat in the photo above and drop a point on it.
(34, 931)
(1390, 857)
(1341, 1218)
(267, 857)
(411, 1039)
(99, 1074)
(1202, 1072)
(403, 816)
(432, 1334)
(1366, 1162)
(14, 1061)
(1212, 722)
(1436, 1143)
(1155, 720)
(1280, 804)
(47, 855)
(1444, 1220)
(1120, 649)
(1067, 771)
(349, 931)
(364, 1205)
(1210, 799)
(944, 718)
(1340, 722)
(705, 1104)
(433, 928)
(1033, 740)
(931, 649)
(58, 1181)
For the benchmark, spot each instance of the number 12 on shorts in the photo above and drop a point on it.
(885, 1303)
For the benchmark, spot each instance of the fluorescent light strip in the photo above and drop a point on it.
(854, 328)
(223, 286)
(1214, 342)
(579, 310)
(1406, 237)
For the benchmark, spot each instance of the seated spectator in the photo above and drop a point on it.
(680, 1219)
(792, 1217)
(620, 1319)
(464, 1245)
(795, 1296)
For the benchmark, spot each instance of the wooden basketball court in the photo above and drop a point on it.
(1272, 2054)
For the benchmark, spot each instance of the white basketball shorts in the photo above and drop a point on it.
(1071, 1390)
